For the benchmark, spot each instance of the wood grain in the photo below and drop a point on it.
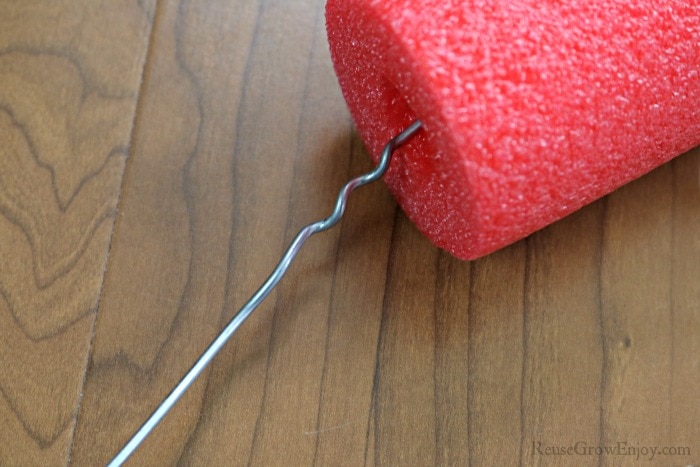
(377, 348)
(69, 81)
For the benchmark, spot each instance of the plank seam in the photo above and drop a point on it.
(134, 128)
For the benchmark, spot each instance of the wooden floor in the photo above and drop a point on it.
(156, 157)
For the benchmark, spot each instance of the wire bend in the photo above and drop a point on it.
(261, 293)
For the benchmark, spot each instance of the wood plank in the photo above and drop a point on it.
(684, 391)
(69, 79)
(404, 391)
(496, 356)
(649, 355)
(345, 404)
(562, 356)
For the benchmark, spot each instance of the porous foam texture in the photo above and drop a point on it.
(531, 108)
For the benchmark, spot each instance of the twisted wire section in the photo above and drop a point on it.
(263, 292)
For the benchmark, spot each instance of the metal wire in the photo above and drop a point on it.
(262, 292)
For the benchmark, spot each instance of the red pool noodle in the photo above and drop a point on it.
(531, 108)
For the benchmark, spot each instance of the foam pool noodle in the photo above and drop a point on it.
(531, 108)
